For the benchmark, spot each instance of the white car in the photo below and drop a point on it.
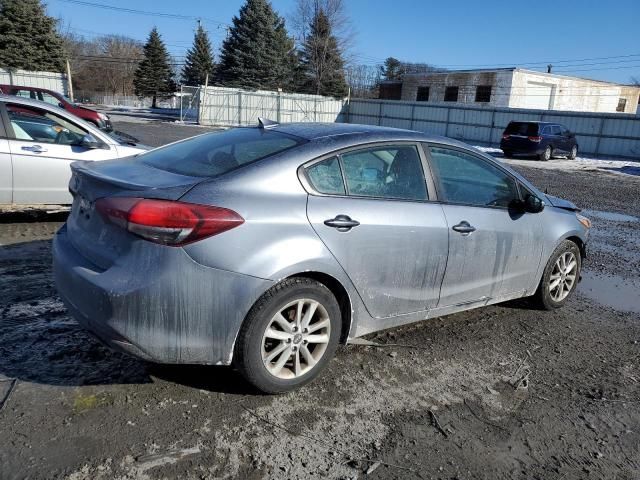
(39, 141)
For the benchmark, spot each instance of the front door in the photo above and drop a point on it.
(379, 224)
(42, 146)
(494, 251)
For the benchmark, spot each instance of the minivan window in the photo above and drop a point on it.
(522, 128)
(555, 129)
(214, 154)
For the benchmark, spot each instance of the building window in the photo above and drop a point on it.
(483, 93)
(423, 94)
(622, 105)
(451, 94)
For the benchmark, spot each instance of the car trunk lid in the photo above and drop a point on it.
(97, 240)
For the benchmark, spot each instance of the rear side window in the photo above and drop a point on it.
(522, 128)
(393, 172)
(217, 153)
(469, 180)
(326, 177)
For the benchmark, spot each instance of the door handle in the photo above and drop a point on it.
(35, 149)
(464, 227)
(343, 223)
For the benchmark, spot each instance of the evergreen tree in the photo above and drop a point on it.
(321, 59)
(28, 38)
(257, 52)
(199, 61)
(392, 69)
(154, 77)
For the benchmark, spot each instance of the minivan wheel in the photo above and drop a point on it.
(546, 155)
(560, 277)
(574, 152)
(289, 336)
(507, 153)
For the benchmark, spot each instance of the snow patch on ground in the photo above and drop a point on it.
(620, 167)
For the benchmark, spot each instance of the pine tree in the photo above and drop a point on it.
(199, 61)
(257, 52)
(392, 69)
(321, 59)
(28, 38)
(154, 77)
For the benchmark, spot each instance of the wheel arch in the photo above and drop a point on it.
(340, 292)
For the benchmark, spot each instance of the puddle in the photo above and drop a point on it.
(611, 216)
(611, 290)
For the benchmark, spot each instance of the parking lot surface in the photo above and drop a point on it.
(500, 392)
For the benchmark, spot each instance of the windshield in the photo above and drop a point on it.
(217, 153)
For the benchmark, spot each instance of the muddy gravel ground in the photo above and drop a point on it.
(501, 392)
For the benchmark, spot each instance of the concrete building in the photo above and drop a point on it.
(514, 88)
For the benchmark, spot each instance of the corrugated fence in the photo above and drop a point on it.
(49, 80)
(233, 107)
(597, 133)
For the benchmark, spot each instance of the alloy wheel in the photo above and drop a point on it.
(563, 276)
(296, 338)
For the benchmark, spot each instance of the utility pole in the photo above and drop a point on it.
(69, 81)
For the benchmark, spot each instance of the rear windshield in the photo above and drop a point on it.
(217, 153)
(522, 128)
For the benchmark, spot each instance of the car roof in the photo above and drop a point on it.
(30, 101)
(24, 87)
(538, 122)
(344, 132)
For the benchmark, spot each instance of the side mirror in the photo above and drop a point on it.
(532, 204)
(90, 142)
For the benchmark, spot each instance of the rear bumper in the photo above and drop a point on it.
(528, 148)
(157, 303)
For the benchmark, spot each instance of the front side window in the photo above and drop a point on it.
(470, 180)
(555, 129)
(214, 154)
(34, 124)
(387, 172)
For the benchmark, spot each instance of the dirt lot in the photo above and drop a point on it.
(496, 393)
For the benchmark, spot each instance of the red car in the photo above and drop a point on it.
(100, 120)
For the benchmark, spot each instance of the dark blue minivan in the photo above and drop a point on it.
(542, 139)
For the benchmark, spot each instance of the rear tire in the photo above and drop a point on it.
(278, 323)
(573, 153)
(547, 154)
(560, 277)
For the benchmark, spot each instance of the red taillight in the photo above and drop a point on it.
(535, 139)
(167, 222)
(506, 136)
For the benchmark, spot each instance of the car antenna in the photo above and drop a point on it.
(266, 123)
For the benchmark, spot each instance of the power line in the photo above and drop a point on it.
(176, 16)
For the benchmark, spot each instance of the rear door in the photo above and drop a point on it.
(494, 251)
(373, 210)
(42, 146)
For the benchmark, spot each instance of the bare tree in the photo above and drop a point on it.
(335, 10)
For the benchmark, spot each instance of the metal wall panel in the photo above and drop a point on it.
(597, 133)
(49, 80)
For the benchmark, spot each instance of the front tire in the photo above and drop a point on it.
(573, 153)
(547, 154)
(507, 153)
(560, 277)
(289, 336)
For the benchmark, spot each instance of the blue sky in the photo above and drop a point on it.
(453, 34)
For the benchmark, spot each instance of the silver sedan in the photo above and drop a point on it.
(266, 247)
